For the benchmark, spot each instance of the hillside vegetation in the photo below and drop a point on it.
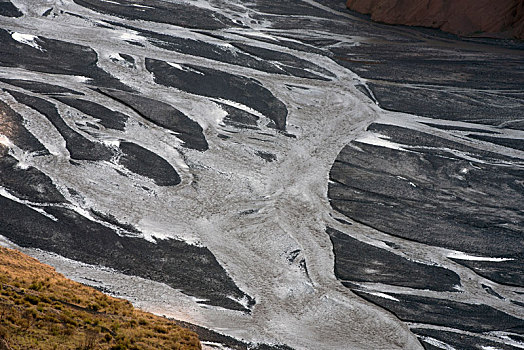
(41, 309)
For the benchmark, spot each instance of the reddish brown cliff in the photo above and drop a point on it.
(497, 18)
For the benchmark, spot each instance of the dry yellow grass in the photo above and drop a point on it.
(41, 309)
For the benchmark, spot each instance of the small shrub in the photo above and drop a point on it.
(32, 299)
(160, 329)
(54, 330)
(36, 285)
(90, 340)
(68, 331)
(93, 307)
(3, 332)
(115, 326)
(45, 299)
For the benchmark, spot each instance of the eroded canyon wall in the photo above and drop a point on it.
(504, 18)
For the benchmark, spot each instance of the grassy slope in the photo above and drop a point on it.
(41, 309)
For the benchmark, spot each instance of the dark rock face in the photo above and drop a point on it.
(507, 272)
(426, 143)
(219, 84)
(200, 48)
(14, 129)
(238, 117)
(288, 43)
(40, 87)
(470, 317)
(28, 184)
(506, 142)
(146, 163)
(439, 82)
(207, 335)
(7, 9)
(361, 262)
(428, 194)
(176, 263)
(438, 192)
(184, 15)
(55, 57)
(287, 8)
(165, 116)
(291, 64)
(447, 104)
(108, 118)
(457, 340)
(463, 17)
(79, 147)
(135, 158)
(268, 157)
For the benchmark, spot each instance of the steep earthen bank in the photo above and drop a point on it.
(41, 309)
(503, 18)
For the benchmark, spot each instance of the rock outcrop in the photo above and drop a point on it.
(502, 18)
